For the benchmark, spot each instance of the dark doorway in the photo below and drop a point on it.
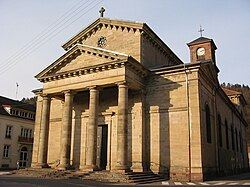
(23, 157)
(102, 142)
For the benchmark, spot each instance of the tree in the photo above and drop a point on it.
(31, 101)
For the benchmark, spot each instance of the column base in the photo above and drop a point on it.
(39, 166)
(63, 167)
(122, 169)
(137, 168)
(89, 168)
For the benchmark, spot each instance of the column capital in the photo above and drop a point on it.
(94, 87)
(69, 92)
(122, 83)
(45, 96)
(38, 92)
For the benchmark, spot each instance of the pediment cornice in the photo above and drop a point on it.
(135, 66)
(98, 24)
(76, 51)
(114, 60)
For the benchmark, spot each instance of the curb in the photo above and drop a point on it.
(5, 173)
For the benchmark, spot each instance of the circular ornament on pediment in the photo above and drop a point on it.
(101, 42)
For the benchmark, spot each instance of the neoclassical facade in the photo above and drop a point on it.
(119, 99)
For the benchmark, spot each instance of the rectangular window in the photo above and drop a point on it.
(5, 165)
(22, 132)
(27, 133)
(8, 132)
(30, 133)
(6, 150)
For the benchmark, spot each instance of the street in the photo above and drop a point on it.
(22, 181)
(10, 181)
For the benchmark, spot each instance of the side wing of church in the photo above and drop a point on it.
(120, 100)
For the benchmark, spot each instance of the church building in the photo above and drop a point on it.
(120, 100)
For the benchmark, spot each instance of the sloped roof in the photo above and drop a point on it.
(202, 40)
(15, 104)
(231, 92)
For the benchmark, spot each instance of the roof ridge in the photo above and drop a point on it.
(200, 39)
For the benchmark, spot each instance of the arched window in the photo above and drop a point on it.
(227, 141)
(232, 136)
(219, 130)
(24, 149)
(241, 142)
(208, 125)
(236, 137)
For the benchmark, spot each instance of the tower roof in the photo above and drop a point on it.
(202, 40)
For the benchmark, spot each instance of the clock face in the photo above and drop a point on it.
(101, 41)
(200, 51)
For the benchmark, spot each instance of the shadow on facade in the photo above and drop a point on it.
(157, 126)
(79, 107)
(148, 122)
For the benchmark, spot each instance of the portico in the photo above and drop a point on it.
(116, 75)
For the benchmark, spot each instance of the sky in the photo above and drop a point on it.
(33, 31)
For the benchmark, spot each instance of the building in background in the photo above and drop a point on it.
(16, 133)
(119, 99)
(240, 103)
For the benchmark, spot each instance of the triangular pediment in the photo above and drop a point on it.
(98, 24)
(80, 57)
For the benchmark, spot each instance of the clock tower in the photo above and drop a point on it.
(202, 49)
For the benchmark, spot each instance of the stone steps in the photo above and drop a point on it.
(144, 177)
(106, 176)
(103, 176)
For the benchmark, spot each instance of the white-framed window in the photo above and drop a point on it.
(8, 132)
(6, 151)
(27, 133)
(30, 133)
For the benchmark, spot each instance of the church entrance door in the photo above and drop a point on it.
(102, 142)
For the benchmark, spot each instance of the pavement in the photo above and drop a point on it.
(5, 173)
(233, 180)
(240, 179)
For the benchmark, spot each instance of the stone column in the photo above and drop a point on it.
(122, 127)
(44, 129)
(92, 129)
(66, 131)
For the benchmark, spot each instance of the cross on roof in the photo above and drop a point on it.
(101, 11)
(201, 30)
